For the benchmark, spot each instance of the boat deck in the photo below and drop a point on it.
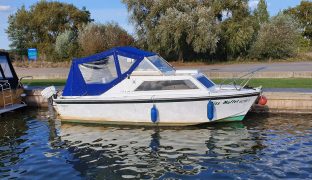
(11, 108)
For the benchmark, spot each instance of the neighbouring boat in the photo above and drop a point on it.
(126, 85)
(11, 89)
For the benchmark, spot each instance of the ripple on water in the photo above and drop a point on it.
(269, 147)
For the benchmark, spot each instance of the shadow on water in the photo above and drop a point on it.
(266, 146)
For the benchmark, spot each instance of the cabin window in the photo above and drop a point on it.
(99, 72)
(5, 70)
(205, 81)
(166, 85)
(125, 63)
(160, 63)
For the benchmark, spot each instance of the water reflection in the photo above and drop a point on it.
(34, 145)
(25, 150)
(156, 152)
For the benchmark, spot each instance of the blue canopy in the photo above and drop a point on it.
(76, 85)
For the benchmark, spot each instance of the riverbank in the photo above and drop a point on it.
(271, 70)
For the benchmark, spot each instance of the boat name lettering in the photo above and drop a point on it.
(231, 102)
(216, 103)
(236, 101)
(244, 101)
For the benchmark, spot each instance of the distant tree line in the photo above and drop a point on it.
(183, 30)
(61, 32)
(222, 30)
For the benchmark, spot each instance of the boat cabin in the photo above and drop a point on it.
(10, 88)
(121, 66)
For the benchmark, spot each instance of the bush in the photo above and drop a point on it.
(66, 45)
(94, 38)
(277, 39)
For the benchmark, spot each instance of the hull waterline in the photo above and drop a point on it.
(174, 112)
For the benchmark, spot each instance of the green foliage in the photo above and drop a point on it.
(237, 30)
(175, 27)
(66, 45)
(277, 39)
(261, 13)
(303, 13)
(18, 30)
(184, 28)
(237, 36)
(39, 26)
(94, 38)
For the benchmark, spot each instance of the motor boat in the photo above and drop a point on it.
(126, 85)
(11, 90)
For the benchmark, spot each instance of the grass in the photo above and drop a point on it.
(44, 82)
(278, 83)
(265, 83)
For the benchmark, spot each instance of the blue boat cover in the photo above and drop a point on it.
(77, 86)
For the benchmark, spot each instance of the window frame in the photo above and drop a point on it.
(160, 80)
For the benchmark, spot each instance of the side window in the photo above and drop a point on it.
(166, 85)
(5, 68)
(101, 71)
(125, 63)
(206, 82)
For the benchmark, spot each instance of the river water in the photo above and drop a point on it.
(34, 145)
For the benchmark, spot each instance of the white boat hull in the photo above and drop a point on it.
(170, 112)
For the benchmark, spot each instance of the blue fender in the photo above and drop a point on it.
(154, 114)
(210, 110)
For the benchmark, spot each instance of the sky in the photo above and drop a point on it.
(103, 11)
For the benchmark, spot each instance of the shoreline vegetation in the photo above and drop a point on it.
(256, 82)
(200, 33)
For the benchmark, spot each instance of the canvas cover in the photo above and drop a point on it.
(7, 72)
(96, 74)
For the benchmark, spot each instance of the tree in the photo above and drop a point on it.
(175, 27)
(42, 23)
(188, 28)
(303, 13)
(94, 38)
(18, 30)
(277, 39)
(261, 13)
(66, 45)
(237, 29)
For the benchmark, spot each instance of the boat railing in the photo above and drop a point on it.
(6, 98)
(240, 82)
(21, 84)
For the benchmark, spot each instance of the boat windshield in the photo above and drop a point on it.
(160, 63)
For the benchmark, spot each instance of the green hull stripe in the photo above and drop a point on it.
(235, 118)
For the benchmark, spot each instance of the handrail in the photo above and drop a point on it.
(6, 86)
(244, 82)
(20, 84)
